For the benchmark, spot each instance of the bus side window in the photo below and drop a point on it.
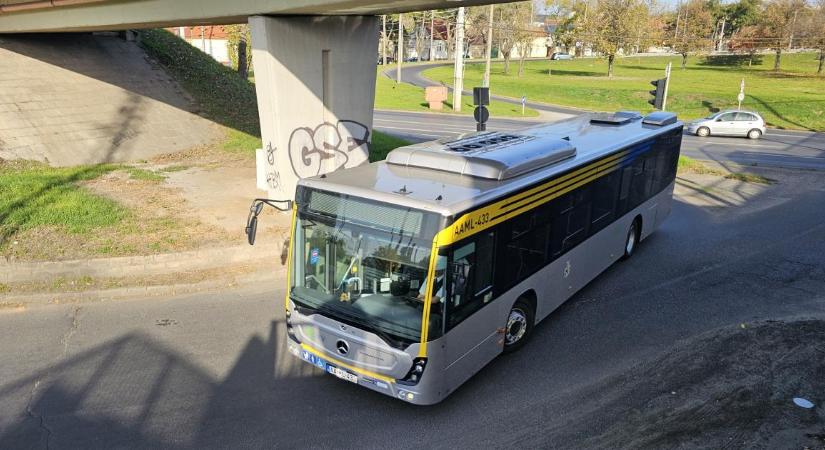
(571, 225)
(471, 277)
(604, 201)
(638, 182)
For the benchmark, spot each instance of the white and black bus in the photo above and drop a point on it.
(407, 276)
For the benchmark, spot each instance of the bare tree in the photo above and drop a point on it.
(817, 31)
(511, 22)
(614, 26)
(695, 24)
(747, 41)
(777, 25)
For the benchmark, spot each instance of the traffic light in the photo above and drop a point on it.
(659, 93)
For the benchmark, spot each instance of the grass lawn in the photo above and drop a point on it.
(36, 195)
(406, 97)
(793, 98)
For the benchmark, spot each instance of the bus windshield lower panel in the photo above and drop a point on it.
(369, 275)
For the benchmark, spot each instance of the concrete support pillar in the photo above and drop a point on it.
(315, 81)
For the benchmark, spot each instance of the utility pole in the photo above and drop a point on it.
(721, 35)
(793, 26)
(384, 40)
(400, 54)
(486, 81)
(432, 32)
(458, 68)
(678, 16)
(667, 85)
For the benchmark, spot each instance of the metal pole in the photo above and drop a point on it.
(667, 84)
(432, 32)
(400, 54)
(384, 39)
(486, 81)
(458, 68)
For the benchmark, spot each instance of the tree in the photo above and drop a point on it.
(747, 40)
(742, 14)
(817, 32)
(777, 25)
(238, 36)
(695, 24)
(512, 23)
(614, 26)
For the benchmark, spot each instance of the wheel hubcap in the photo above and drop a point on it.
(516, 326)
(631, 240)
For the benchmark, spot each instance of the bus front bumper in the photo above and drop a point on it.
(418, 394)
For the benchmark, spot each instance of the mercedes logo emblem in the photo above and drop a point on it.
(343, 347)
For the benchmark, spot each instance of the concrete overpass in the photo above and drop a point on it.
(18, 16)
(314, 66)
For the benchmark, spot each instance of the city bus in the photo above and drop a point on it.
(409, 275)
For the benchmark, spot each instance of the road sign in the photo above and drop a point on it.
(741, 95)
(481, 114)
(481, 96)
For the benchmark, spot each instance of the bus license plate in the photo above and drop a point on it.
(342, 374)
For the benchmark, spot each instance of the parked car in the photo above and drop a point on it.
(561, 56)
(735, 122)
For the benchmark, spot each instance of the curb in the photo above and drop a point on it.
(144, 292)
(13, 272)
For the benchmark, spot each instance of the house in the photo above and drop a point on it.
(211, 39)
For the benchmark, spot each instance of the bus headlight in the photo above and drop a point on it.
(415, 373)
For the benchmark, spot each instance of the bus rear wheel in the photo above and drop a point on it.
(519, 326)
(632, 239)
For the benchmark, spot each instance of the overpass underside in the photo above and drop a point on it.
(314, 60)
(28, 16)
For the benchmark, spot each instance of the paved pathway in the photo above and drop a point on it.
(78, 99)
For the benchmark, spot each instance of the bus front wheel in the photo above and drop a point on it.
(519, 326)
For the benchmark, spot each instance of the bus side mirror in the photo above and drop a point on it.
(252, 221)
(251, 229)
(255, 210)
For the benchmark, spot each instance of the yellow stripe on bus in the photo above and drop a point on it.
(289, 255)
(428, 298)
(357, 370)
(484, 218)
(506, 209)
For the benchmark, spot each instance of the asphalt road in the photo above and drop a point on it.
(778, 148)
(211, 370)
(412, 74)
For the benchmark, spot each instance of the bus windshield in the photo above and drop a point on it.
(363, 263)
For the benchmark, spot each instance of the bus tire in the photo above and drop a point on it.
(632, 240)
(519, 325)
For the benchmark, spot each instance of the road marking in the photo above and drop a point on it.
(738, 144)
(384, 127)
(465, 126)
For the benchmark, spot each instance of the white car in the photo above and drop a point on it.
(729, 123)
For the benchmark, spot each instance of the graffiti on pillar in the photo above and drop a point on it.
(273, 178)
(344, 142)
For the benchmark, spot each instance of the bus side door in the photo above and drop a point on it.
(472, 319)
